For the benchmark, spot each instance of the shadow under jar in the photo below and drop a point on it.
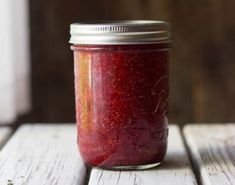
(121, 85)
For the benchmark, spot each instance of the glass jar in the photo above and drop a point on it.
(121, 89)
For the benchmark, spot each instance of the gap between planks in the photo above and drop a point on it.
(175, 170)
(42, 155)
(212, 149)
(5, 133)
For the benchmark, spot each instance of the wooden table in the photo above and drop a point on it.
(47, 155)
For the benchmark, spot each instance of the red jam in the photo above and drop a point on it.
(121, 103)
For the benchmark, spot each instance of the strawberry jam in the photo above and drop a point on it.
(122, 103)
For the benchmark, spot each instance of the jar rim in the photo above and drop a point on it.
(120, 32)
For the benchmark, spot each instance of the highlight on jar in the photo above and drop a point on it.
(122, 90)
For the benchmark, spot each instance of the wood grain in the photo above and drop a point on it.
(5, 133)
(213, 152)
(42, 155)
(175, 170)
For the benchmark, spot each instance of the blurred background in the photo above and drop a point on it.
(36, 64)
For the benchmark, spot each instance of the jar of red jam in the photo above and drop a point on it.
(121, 89)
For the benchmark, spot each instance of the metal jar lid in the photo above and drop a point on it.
(120, 32)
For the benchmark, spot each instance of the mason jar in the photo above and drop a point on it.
(121, 89)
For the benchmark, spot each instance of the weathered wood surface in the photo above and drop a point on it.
(213, 152)
(4, 135)
(42, 155)
(175, 170)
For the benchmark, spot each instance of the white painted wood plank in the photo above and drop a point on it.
(42, 155)
(175, 170)
(213, 152)
(4, 135)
